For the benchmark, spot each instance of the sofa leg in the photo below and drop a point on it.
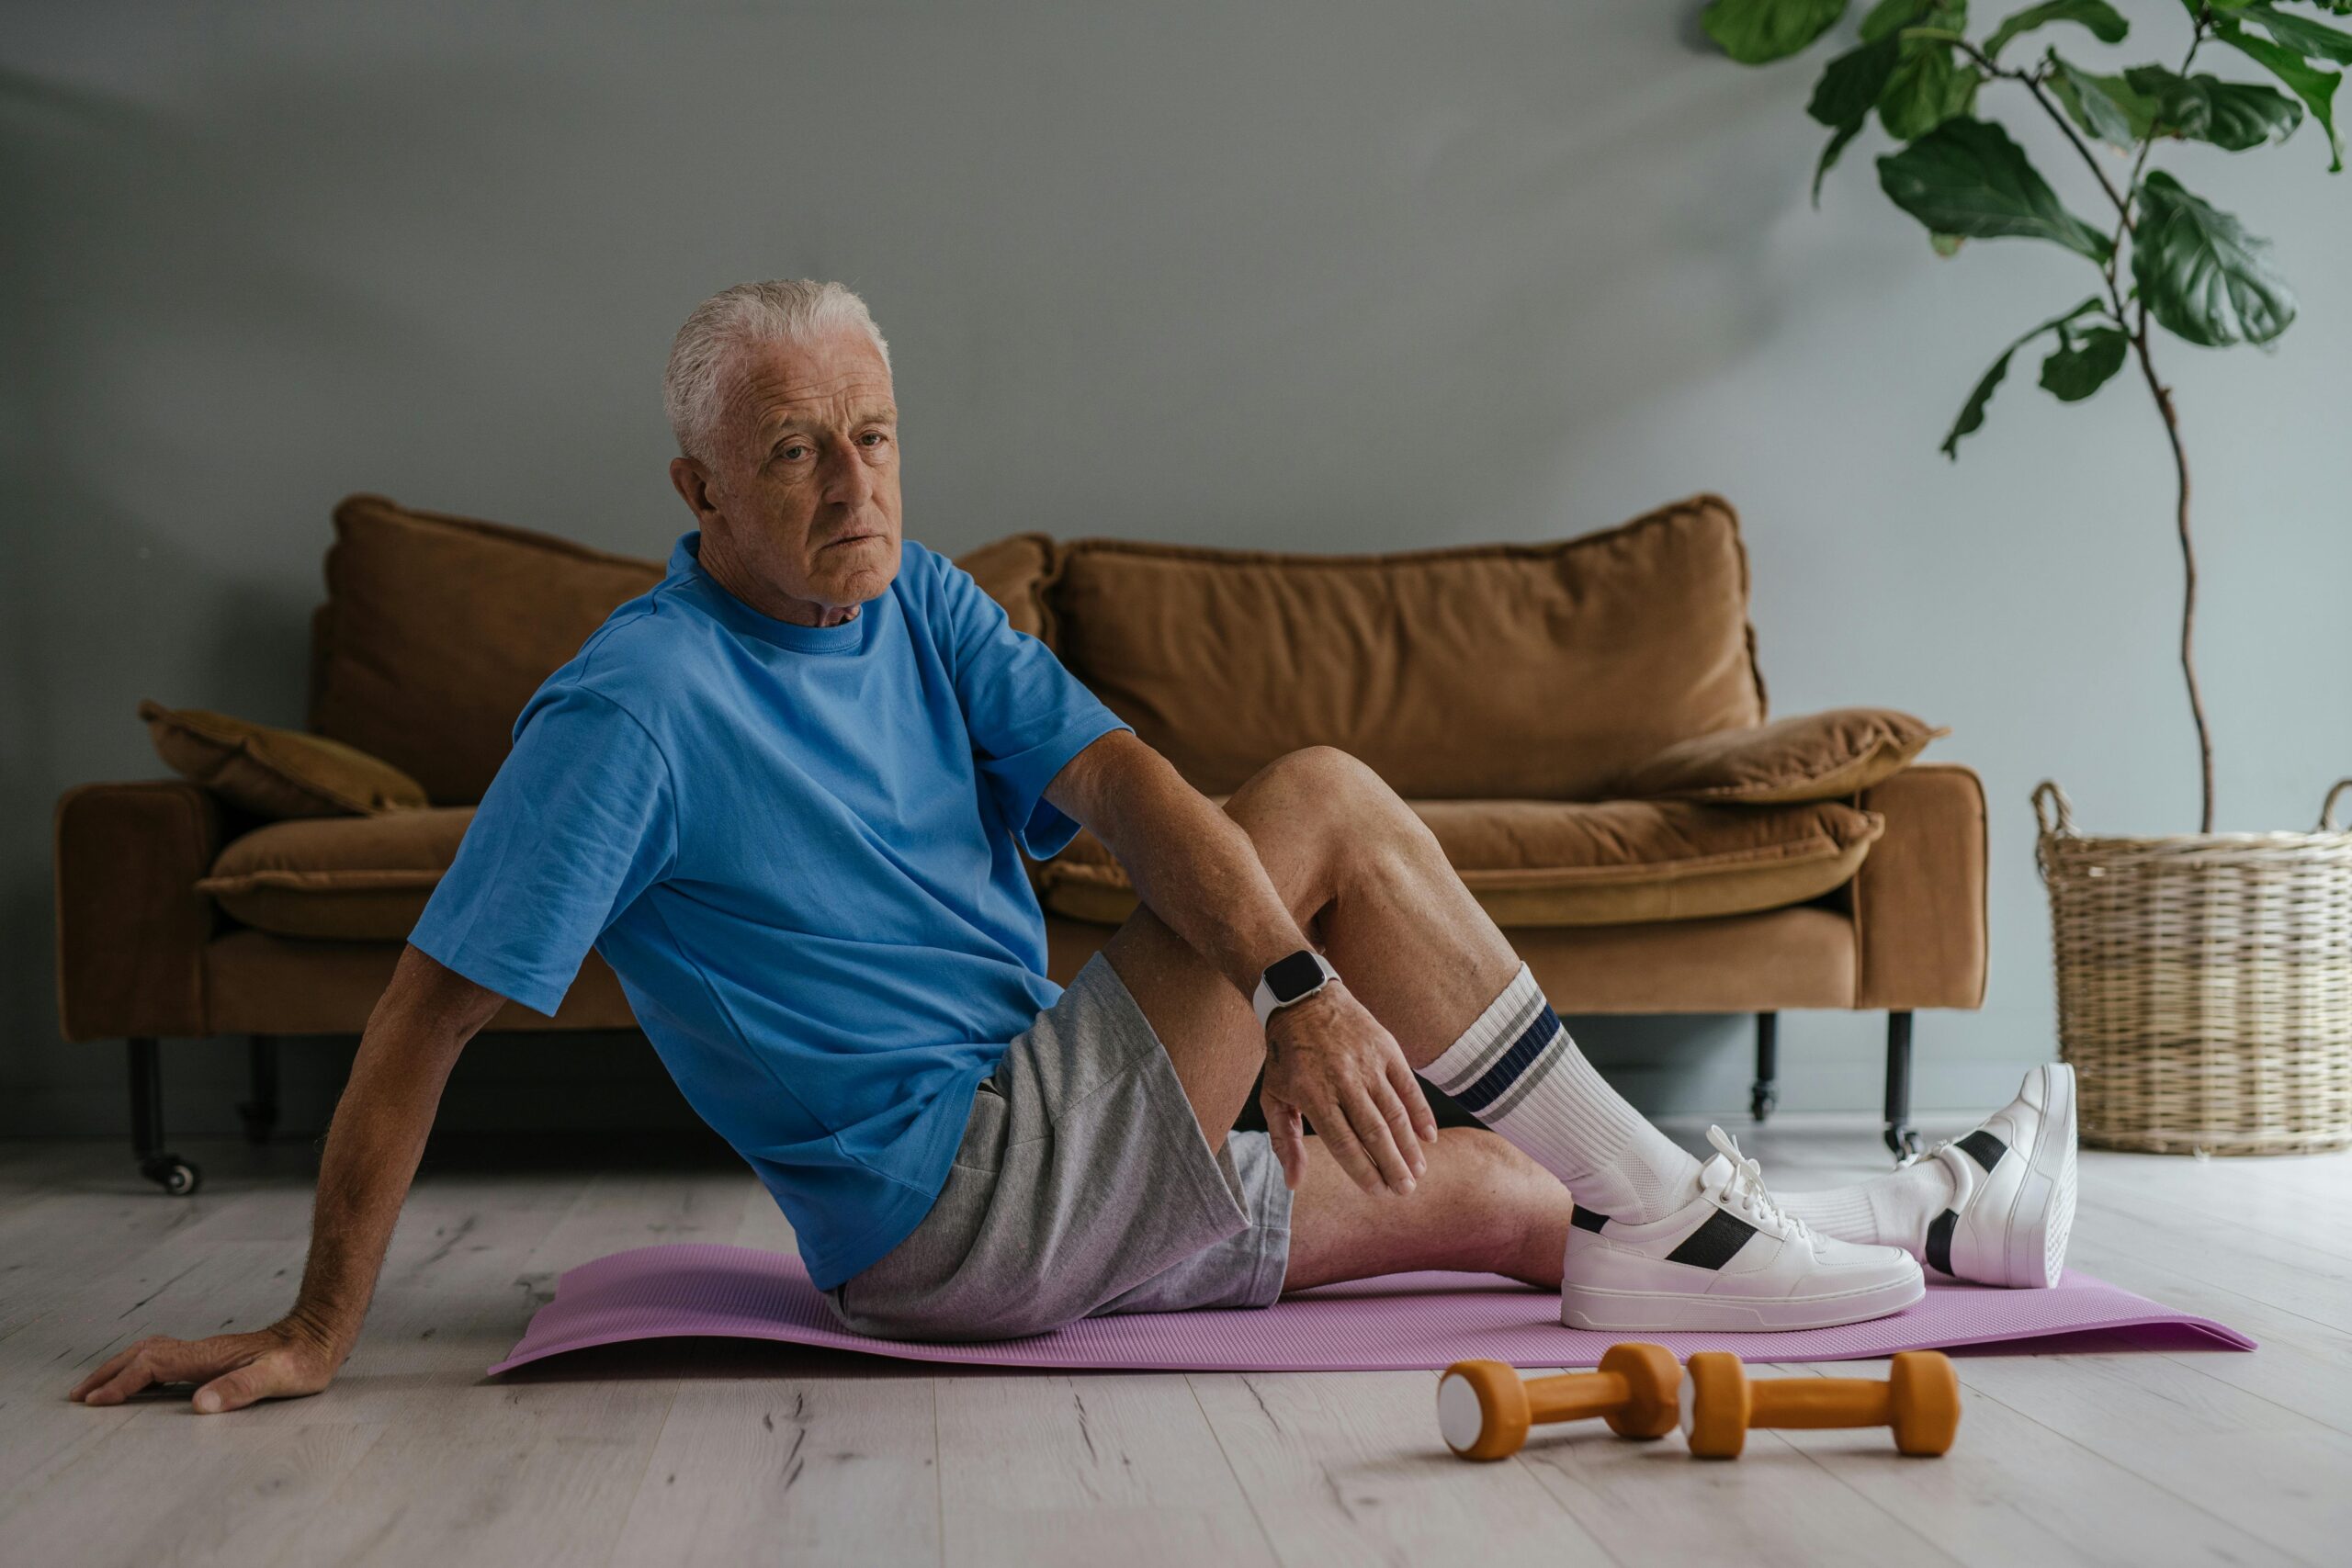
(1900, 1138)
(174, 1175)
(260, 1112)
(1765, 1092)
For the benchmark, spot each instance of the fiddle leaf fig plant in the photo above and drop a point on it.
(2162, 256)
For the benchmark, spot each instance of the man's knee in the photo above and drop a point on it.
(1327, 808)
(1314, 781)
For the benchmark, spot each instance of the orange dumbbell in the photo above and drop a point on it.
(1484, 1408)
(1921, 1399)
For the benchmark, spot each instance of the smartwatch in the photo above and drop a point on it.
(1288, 980)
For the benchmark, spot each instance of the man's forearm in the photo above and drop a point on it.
(1197, 869)
(373, 1146)
(413, 1039)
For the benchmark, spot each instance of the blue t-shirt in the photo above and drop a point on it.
(795, 845)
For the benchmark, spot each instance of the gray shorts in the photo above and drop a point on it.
(1083, 1186)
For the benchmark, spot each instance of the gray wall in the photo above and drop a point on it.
(1326, 276)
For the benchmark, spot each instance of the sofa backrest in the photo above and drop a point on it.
(1516, 671)
(437, 629)
(1540, 672)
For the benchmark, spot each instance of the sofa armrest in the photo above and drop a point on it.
(1918, 901)
(130, 925)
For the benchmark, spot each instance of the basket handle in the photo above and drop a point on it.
(2327, 811)
(2047, 796)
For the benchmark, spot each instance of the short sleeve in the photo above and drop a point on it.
(1026, 714)
(580, 821)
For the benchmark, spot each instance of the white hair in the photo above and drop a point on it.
(783, 309)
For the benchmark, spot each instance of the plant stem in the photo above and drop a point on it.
(2163, 395)
(2138, 326)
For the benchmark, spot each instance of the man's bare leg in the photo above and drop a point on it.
(1371, 887)
(1482, 1208)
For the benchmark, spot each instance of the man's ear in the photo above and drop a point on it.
(692, 481)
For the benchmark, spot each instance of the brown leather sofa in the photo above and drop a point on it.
(1582, 725)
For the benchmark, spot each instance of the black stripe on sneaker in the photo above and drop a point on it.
(1983, 1148)
(1586, 1219)
(1939, 1231)
(1715, 1243)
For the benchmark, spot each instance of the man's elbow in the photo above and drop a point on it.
(429, 1005)
(1109, 772)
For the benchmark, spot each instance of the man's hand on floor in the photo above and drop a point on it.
(232, 1371)
(1330, 1061)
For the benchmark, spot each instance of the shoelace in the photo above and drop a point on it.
(1745, 1190)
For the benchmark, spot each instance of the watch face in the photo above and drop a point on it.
(1292, 978)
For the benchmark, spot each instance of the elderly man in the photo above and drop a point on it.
(783, 794)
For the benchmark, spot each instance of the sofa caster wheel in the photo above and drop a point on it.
(1902, 1142)
(174, 1175)
(1763, 1098)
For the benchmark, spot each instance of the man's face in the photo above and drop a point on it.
(799, 500)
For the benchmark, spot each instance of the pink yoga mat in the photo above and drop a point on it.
(1405, 1322)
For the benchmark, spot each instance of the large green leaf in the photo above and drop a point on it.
(1850, 85)
(2309, 82)
(2313, 40)
(1891, 16)
(2106, 23)
(2083, 361)
(2234, 115)
(1756, 32)
(1971, 413)
(2104, 106)
(1966, 178)
(2202, 274)
(1929, 86)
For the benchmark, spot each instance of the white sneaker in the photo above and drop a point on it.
(2013, 1189)
(1728, 1260)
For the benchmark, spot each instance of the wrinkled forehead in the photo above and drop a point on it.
(834, 383)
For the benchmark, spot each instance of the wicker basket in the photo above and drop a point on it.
(2204, 984)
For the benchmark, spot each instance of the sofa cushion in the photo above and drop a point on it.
(1014, 572)
(1818, 756)
(1531, 862)
(1540, 862)
(275, 773)
(1543, 672)
(345, 878)
(438, 630)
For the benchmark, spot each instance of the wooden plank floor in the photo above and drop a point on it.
(731, 1454)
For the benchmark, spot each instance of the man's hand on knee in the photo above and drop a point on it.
(1330, 1061)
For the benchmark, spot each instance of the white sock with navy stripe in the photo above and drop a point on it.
(1517, 1071)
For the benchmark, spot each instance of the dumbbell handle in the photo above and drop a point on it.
(1572, 1396)
(1820, 1402)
